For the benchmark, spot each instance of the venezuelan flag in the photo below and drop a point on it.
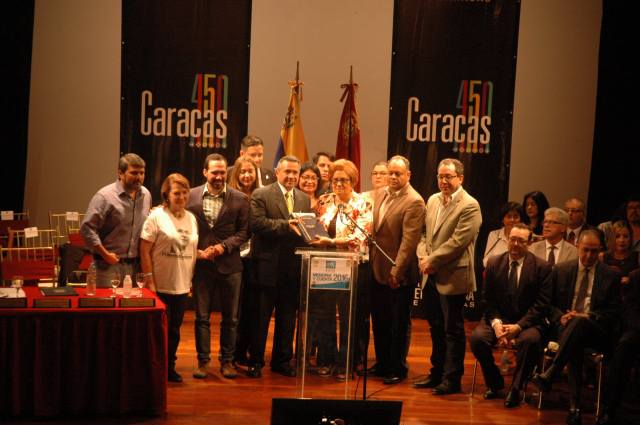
(291, 141)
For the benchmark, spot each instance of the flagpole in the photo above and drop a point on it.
(297, 85)
(353, 94)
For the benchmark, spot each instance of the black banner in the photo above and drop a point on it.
(452, 87)
(185, 83)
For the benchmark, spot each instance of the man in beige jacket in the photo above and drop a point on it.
(446, 254)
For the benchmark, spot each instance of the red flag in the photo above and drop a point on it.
(348, 146)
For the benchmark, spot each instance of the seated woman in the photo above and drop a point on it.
(168, 251)
(339, 211)
(620, 256)
(309, 182)
(535, 204)
(497, 241)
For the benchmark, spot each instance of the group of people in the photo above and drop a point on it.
(551, 276)
(547, 274)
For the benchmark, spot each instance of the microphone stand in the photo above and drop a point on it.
(371, 243)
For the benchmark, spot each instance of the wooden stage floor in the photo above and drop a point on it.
(216, 400)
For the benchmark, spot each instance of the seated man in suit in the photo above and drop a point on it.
(624, 353)
(554, 249)
(516, 294)
(584, 310)
(575, 209)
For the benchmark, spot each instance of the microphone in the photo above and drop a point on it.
(341, 208)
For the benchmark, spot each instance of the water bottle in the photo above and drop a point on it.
(126, 286)
(91, 279)
(504, 361)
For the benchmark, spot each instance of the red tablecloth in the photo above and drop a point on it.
(83, 361)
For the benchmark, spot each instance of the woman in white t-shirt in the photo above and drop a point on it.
(168, 250)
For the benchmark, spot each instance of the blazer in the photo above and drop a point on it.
(230, 228)
(568, 252)
(527, 307)
(273, 242)
(605, 296)
(397, 233)
(450, 247)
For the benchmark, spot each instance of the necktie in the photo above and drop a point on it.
(289, 198)
(385, 205)
(582, 292)
(571, 238)
(513, 277)
(552, 255)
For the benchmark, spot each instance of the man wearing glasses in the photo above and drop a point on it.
(554, 249)
(515, 296)
(446, 254)
(575, 208)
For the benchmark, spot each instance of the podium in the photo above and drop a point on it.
(328, 280)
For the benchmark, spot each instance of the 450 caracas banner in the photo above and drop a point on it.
(452, 87)
(185, 83)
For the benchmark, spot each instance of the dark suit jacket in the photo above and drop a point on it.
(631, 304)
(529, 305)
(266, 175)
(230, 228)
(605, 296)
(273, 242)
(398, 234)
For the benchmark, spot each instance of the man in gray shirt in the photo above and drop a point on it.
(114, 219)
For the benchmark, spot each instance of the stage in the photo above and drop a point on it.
(216, 400)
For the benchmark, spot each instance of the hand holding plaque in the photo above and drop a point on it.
(310, 227)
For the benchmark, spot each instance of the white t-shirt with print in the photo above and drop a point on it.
(173, 255)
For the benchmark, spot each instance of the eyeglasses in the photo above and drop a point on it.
(309, 178)
(518, 241)
(341, 181)
(448, 178)
(573, 210)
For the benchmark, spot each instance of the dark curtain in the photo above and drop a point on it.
(615, 173)
(18, 25)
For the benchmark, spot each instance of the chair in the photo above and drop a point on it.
(33, 258)
(74, 260)
(595, 356)
(65, 224)
(20, 221)
(505, 351)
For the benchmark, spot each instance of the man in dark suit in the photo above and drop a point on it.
(516, 294)
(276, 267)
(575, 209)
(446, 254)
(584, 309)
(398, 214)
(626, 350)
(222, 214)
(252, 147)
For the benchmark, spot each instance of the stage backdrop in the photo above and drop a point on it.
(452, 87)
(185, 83)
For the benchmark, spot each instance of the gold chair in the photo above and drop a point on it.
(33, 258)
(20, 221)
(65, 224)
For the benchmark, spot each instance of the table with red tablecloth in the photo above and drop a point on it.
(83, 361)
